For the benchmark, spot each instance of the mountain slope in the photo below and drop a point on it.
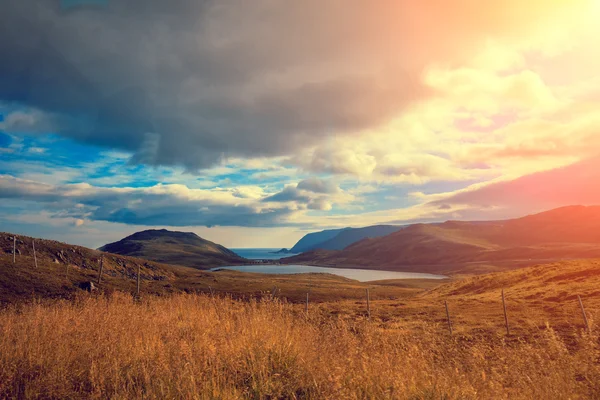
(178, 248)
(349, 236)
(311, 240)
(569, 232)
(338, 239)
(62, 268)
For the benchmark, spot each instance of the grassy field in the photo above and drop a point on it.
(194, 346)
(57, 341)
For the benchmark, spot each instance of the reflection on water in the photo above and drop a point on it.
(362, 275)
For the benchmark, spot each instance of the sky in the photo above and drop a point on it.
(253, 123)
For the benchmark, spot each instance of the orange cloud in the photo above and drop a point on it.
(569, 185)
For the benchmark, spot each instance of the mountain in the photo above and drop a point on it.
(311, 240)
(178, 248)
(282, 251)
(338, 239)
(564, 233)
(349, 236)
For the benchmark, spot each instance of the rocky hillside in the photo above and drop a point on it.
(63, 269)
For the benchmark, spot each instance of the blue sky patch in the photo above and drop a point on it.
(5, 140)
(67, 4)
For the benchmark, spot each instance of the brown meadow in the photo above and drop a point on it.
(198, 347)
(180, 342)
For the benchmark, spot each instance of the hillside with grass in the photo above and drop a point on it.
(464, 247)
(178, 248)
(63, 269)
(107, 345)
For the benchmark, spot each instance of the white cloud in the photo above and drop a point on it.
(174, 204)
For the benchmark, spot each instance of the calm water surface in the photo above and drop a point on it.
(362, 275)
(261, 254)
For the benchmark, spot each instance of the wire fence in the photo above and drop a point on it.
(275, 293)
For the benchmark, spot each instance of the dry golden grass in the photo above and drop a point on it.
(177, 345)
(192, 346)
(535, 297)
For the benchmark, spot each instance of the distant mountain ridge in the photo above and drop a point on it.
(339, 239)
(350, 236)
(564, 233)
(309, 241)
(172, 247)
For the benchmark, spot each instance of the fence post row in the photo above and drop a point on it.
(275, 288)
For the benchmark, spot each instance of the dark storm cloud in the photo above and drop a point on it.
(189, 82)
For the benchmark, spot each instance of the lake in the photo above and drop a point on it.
(362, 275)
(261, 254)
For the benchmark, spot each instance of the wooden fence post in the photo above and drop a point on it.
(138, 281)
(101, 268)
(306, 307)
(448, 316)
(273, 291)
(505, 315)
(368, 304)
(587, 325)
(14, 249)
(34, 255)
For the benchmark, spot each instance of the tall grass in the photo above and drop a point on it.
(189, 346)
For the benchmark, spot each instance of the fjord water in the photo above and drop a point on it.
(261, 254)
(362, 275)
